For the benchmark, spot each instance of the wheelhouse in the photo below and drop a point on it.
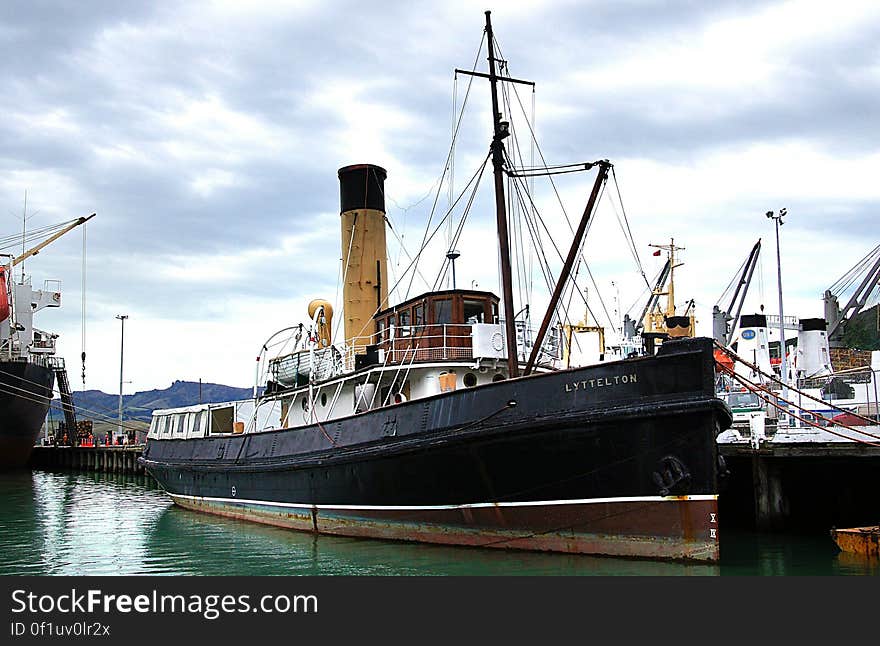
(435, 326)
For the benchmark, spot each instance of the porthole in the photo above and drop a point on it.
(470, 380)
(305, 403)
(323, 399)
(498, 377)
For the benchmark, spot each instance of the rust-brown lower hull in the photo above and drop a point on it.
(858, 540)
(682, 528)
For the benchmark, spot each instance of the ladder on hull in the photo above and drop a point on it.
(66, 397)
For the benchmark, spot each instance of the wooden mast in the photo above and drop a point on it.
(500, 132)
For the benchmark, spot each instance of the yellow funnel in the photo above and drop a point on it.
(364, 256)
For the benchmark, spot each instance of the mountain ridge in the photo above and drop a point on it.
(98, 405)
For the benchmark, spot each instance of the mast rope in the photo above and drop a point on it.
(733, 355)
(846, 281)
(733, 281)
(628, 233)
(757, 391)
(556, 192)
(521, 188)
(425, 239)
(34, 234)
(29, 395)
(414, 263)
(446, 261)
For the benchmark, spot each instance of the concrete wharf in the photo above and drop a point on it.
(107, 459)
(802, 479)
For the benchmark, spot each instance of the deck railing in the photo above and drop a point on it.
(402, 345)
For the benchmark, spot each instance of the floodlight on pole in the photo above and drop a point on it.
(783, 364)
(121, 318)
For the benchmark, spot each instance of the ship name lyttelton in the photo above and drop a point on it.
(600, 382)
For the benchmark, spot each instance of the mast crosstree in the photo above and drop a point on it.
(501, 130)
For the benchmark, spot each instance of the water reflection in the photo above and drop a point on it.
(94, 524)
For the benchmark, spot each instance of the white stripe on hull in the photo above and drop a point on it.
(535, 503)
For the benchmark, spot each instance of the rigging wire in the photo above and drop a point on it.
(515, 149)
(406, 210)
(29, 395)
(553, 184)
(451, 186)
(447, 261)
(733, 281)
(521, 187)
(414, 263)
(34, 234)
(772, 377)
(628, 235)
(446, 165)
(845, 281)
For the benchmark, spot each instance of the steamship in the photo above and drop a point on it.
(439, 419)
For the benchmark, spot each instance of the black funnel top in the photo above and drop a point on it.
(362, 186)
(808, 325)
(753, 320)
(678, 321)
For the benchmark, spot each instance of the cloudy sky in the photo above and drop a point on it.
(207, 136)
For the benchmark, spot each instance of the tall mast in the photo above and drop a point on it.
(500, 132)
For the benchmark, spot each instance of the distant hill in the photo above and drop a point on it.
(863, 331)
(98, 405)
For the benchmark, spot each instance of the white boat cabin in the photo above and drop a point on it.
(434, 343)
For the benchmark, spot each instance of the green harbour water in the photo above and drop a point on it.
(72, 523)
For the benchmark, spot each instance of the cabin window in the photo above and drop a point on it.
(403, 317)
(221, 420)
(403, 320)
(197, 423)
(179, 426)
(380, 330)
(474, 311)
(443, 311)
(419, 314)
(494, 312)
(166, 424)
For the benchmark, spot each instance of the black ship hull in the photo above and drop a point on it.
(25, 394)
(616, 459)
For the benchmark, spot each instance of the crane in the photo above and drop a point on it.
(655, 295)
(838, 318)
(722, 329)
(33, 251)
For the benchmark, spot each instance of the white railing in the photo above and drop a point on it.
(401, 345)
(446, 342)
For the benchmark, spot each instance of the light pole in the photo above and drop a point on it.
(777, 219)
(121, 318)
